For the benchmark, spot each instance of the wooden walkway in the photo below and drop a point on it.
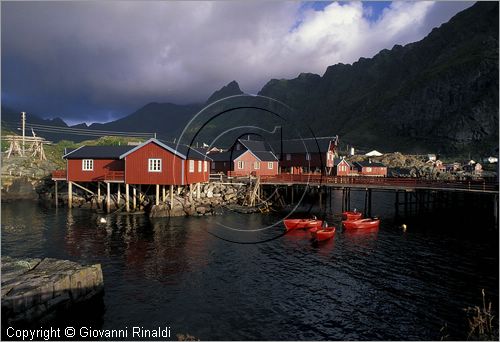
(383, 183)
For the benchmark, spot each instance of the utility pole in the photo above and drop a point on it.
(23, 118)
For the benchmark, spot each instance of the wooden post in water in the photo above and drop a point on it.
(164, 195)
(198, 190)
(98, 194)
(191, 192)
(369, 202)
(127, 204)
(70, 194)
(134, 198)
(320, 190)
(171, 196)
(157, 194)
(178, 190)
(108, 197)
(140, 197)
(55, 188)
(118, 195)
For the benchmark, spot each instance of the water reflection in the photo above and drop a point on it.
(379, 284)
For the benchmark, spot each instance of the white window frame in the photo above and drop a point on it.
(288, 156)
(154, 165)
(256, 165)
(87, 164)
(241, 164)
(191, 166)
(270, 165)
(205, 166)
(199, 166)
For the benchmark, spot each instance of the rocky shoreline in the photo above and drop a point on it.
(36, 290)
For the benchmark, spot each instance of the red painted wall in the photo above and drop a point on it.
(375, 171)
(196, 176)
(298, 160)
(248, 160)
(342, 169)
(101, 167)
(136, 168)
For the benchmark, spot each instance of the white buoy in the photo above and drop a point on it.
(102, 220)
(403, 226)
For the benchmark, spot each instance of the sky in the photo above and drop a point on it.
(98, 61)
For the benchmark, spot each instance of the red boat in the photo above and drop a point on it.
(362, 223)
(322, 234)
(352, 215)
(302, 223)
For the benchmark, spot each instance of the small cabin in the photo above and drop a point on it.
(369, 168)
(156, 162)
(245, 158)
(308, 155)
(94, 163)
(341, 167)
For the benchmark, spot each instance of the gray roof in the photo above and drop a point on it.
(97, 152)
(368, 164)
(336, 161)
(310, 145)
(256, 145)
(226, 156)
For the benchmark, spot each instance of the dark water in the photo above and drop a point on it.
(385, 284)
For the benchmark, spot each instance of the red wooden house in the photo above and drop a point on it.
(94, 163)
(156, 162)
(342, 167)
(246, 157)
(369, 168)
(152, 162)
(311, 155)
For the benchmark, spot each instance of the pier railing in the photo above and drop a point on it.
(59, 174)
(115, 176)
(387, 182)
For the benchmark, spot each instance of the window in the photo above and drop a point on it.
(191, 166)
(308, 156)
(88, 165)
(256, 165)
(154, 165)
(205, 166)
(270, 165)
(288, 156)
(213, 166)
(368, 169)
(199, 165)
(240, 164)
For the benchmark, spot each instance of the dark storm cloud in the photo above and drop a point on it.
(93, 61)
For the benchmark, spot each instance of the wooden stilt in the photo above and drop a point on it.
(134, 198)
(178, 190)
(140, 197)
(118, 195)
(108, 197)
(164, 197)
(157, 194)
(171, 196)
(98, 194)
(191, 192)
(57, 199)
(70, 194)
(198, 190)
(127, 204)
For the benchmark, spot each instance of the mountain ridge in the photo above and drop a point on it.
(439, 94)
